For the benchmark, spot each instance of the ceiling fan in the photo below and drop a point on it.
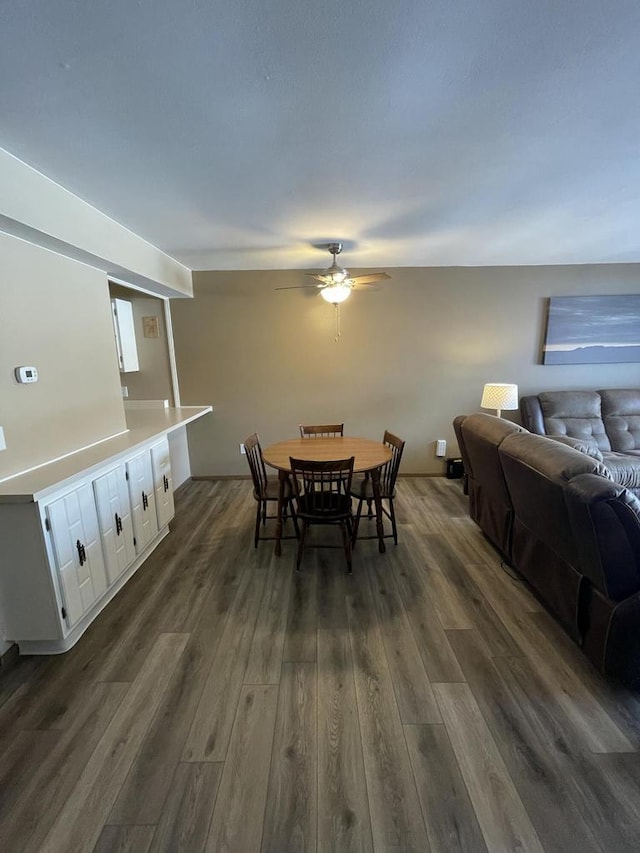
(337, 283)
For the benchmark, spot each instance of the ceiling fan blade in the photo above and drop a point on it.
(374, 276)
(358, 285)
(317, 276)
(299, 287)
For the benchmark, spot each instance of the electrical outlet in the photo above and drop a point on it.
(441, 447)
(242, 450)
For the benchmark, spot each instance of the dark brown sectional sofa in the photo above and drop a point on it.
(557, 516)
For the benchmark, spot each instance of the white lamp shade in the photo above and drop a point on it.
(499, 395)
(335, 293)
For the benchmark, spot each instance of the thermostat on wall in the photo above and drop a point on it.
(27, 374)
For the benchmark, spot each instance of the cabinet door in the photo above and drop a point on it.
(162, 482)
(114, 517)
(141, 495)
(125, 332)
(76, 543)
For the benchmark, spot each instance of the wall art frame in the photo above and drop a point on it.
(592, 330)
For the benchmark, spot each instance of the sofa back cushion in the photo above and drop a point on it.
(576, 414)
(621, 416)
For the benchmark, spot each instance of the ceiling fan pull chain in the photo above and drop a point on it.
(337, 337)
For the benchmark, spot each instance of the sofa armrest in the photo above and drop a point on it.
(577, 444)
(605, 523)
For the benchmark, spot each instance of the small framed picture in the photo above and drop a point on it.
(150, 327)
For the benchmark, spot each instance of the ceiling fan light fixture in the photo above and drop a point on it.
(335, 293)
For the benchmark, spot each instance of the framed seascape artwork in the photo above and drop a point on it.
(592, 329)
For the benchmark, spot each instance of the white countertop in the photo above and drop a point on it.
(143, 425)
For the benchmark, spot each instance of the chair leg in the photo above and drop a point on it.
(258, 517)
(347, 544)
(392, 516)
(303, 533)
(294, 518)
(356, 524)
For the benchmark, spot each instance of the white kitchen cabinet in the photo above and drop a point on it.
(125, 332)
(162, 482)
(114, 517)
(61, 559)
(142, 498)
(73, 523)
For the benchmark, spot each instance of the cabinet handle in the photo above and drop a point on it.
(82, 554)
(145, 501)
(118, 524)
(166, 483)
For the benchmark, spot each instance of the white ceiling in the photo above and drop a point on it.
(235, 134)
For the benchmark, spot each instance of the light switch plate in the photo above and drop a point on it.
(3, 443)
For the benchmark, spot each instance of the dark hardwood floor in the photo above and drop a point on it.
(224, 702)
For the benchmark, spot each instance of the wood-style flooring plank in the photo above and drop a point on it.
(423, 576)
(238, 817)
(300, 642)
(396, 817)
(155, 765)
(331, 590)
(501, 814)
(173, 578)
(598, 730)
(292, 795)
(596, 794)
(184, 824)
(20, 758)
(480, 613)
(210, 729)
(451, 822)
(84, 813)
(344, 822)
(55, 774)
(437, 656)
(412, 689)
(125, 839)
(537, 767)
(265, 655)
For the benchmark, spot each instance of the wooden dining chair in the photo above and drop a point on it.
(322, 496)
(266, 490)
(363, 489)
(321, 430)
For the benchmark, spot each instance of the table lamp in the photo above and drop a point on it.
(499, 396)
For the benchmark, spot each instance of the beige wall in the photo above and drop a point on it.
(55, 315)
(412, 355)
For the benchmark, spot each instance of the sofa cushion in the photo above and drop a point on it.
(621, 416)
(623, 469)
(589, 448)
(576, 414)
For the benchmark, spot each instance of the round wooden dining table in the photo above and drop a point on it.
(369, 456)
